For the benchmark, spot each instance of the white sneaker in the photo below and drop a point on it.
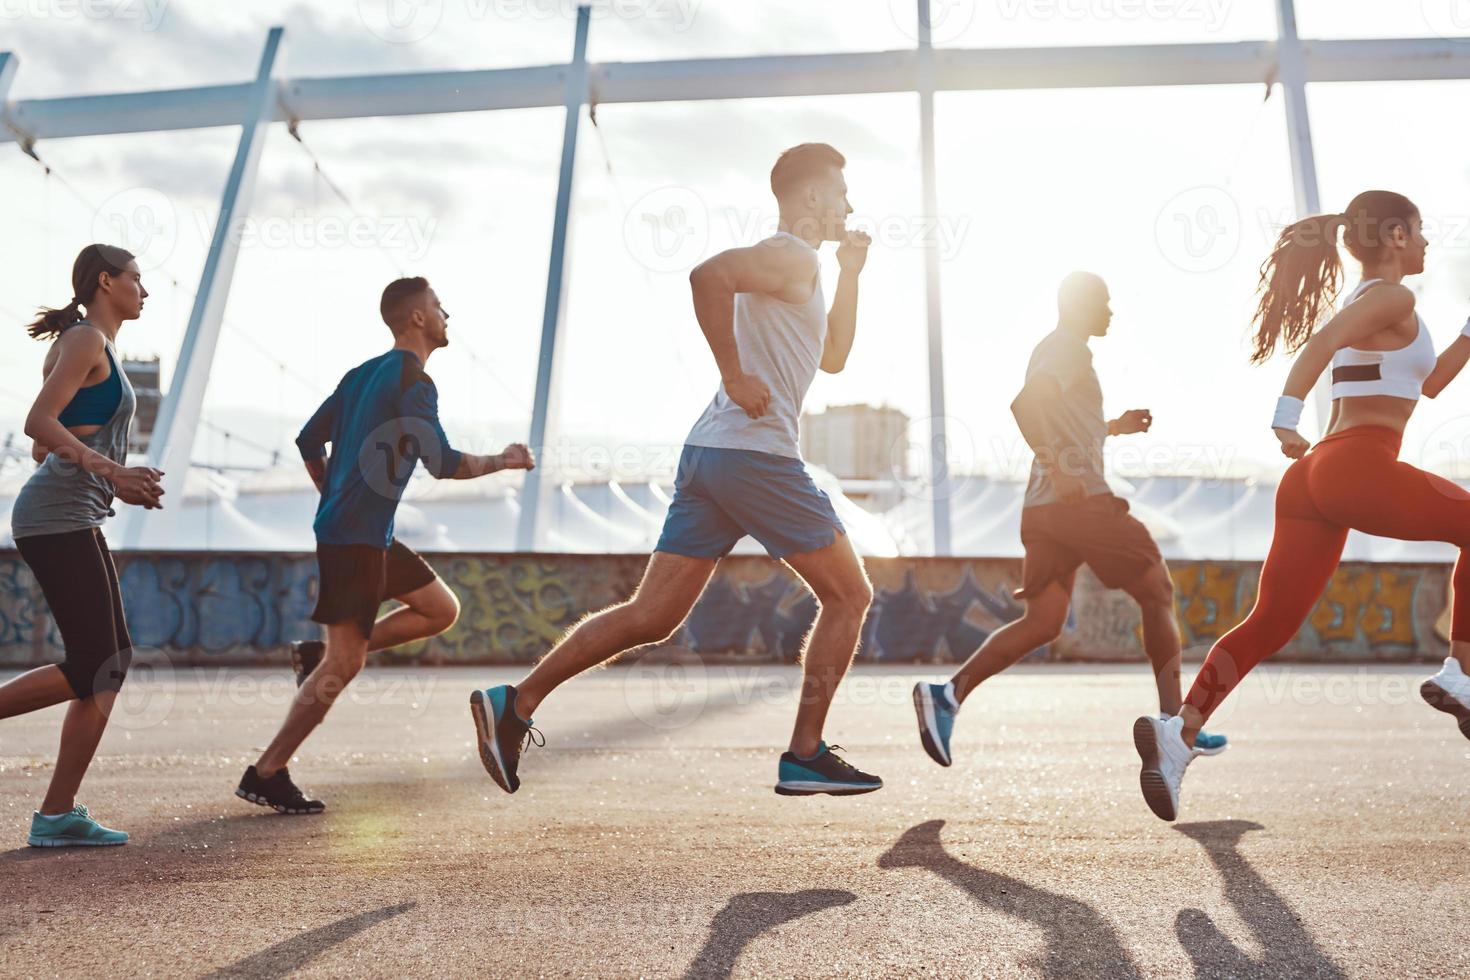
(1160, 744)
(1449, 691)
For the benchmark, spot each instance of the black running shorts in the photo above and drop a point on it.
(354, 579)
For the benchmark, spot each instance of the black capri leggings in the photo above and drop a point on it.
(77, 576)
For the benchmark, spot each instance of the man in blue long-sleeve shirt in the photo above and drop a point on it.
(381, 422)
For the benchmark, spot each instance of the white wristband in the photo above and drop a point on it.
(1288, 413)
(1465, 330)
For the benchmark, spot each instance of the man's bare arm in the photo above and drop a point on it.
(775, 267)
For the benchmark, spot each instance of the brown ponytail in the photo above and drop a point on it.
(1301, 278)
(91, 263)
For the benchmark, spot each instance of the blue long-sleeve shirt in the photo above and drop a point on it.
(382, 420)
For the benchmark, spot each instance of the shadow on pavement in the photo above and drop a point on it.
(286, 957)
(1079, 941)
(1289, 949)
(746, 916)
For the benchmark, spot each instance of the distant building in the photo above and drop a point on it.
(145, 376)
(858, 442)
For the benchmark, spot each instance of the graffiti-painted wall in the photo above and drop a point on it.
(221, 608)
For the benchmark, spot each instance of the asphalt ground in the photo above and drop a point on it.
(1330, 840)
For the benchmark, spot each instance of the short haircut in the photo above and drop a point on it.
(397, 295)
(801, 164)
(1079, 289)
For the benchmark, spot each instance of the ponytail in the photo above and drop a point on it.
(50, 322)
(91, 263)
(1298, 283)
(1302, 277)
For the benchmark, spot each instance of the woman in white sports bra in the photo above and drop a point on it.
(1382, 359)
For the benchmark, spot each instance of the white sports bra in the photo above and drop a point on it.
(1399, 373)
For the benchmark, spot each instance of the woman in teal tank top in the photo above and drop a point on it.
(80, 424)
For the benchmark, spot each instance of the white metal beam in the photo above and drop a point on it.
(415, 93)
(9, 63)
(1292, 77)
(544, 409)
(172, 443)
(939, 482)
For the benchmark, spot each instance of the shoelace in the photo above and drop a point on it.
(534, 737)
(846, 766)
(80, 810)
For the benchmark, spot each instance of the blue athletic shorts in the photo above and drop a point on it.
(721, 495)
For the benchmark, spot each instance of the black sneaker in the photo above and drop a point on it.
(823, 773)
(277, 792)
(305, 655)
(501, 734)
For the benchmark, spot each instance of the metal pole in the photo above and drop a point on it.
(8, 65)
(172, 442)
(543, 413)
(1292, 75)
(938, 429)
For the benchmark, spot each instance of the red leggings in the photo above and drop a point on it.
(1351, 479)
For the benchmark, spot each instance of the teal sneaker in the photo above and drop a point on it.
(1206, 743)
(936, 707)
(824, 772)
(501, 734)
(74, 829)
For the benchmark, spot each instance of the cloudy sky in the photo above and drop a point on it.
(1174, 195)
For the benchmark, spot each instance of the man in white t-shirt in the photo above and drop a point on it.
(764, 315)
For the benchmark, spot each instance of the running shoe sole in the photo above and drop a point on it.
(69, 842)
(299, 668)
(1441, 700)
(924, 708)
(1151, 778)
(829, 789)
(489, 749)
(295, 811)
(1215, 751)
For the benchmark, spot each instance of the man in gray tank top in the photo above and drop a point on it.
(764, 314)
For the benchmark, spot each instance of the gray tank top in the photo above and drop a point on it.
(780, 343)
(61, 496)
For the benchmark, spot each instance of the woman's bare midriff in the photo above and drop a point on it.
(1384, 410)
